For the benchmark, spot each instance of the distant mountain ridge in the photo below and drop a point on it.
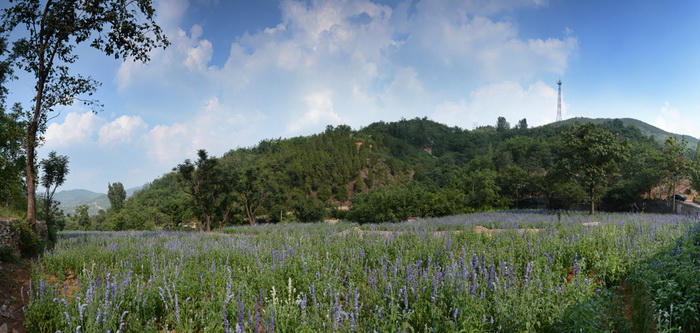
(649, 130)
(70, 199)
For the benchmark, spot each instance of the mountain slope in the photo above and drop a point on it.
(70, 199)
(648, 130)
(75, 197)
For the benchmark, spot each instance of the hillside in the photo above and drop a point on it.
(70, 199)
(646, 129)
(390, 171)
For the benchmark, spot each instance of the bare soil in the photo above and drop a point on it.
(14, 280)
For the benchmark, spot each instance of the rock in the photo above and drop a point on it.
(590, 224)
(3, 328)
(479, 229)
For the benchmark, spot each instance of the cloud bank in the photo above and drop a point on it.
(326, 63)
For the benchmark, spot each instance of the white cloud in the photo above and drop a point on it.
(319, 112)
(179, 66)
(76, 129)
(121, 130)
(327, 62)
(199, 55)
(671, 119)
(170, 12)
(215, 127)
(537, 104)
(398, 63)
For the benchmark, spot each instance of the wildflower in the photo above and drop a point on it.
(241, 306)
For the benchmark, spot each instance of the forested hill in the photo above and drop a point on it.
(387, 171)
(652, 131)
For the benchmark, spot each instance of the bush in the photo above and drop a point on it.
(400, 203)
(309, 210)
(30, 244)
(7, 254)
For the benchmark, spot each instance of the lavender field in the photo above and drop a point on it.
(530, 272)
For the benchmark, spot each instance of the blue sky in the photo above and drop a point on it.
(238, 72)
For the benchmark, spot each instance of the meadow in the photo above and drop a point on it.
(539, 272)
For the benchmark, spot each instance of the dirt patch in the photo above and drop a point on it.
(70, 286)
(392, 233)
(483, 230)
(14, 281)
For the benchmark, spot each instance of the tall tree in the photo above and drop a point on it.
(502, 125)
(522, 124)
(201, 180)
(695, 171)
(513, 180)
(55, 169)
(253, 188)
(675, 165)
(116, 195)
(592, 155)
(5, 67)
(82, 217)
(12, 155)
(49, 33)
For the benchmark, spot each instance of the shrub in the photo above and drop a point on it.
(30, 244)
(7, 254)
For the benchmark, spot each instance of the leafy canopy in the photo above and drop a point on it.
(592, 155)
(48, 35)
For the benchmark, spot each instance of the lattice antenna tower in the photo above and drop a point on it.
(559, 102)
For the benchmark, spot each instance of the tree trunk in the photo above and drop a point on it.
(31, 143)
(31, 172)
(592, 200)
(673, 198)
(208, 223)
(250, 213)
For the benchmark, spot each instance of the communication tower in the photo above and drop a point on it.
(559, 102)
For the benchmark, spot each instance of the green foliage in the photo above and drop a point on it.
(48, 33)
(502, 125)
(7, 254)
(81, 216)
(160, 203)
(116, 195)
(592, 155)
(55, 169)
(432, 275)
(482, 189)
(308, 209)
(204, 181)
(30, 244)
(397, 204)
(11, 212)
(665, 287)
(453, 169)
(675, 165)
(12, 157)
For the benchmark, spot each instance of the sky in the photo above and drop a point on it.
(238, 72)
